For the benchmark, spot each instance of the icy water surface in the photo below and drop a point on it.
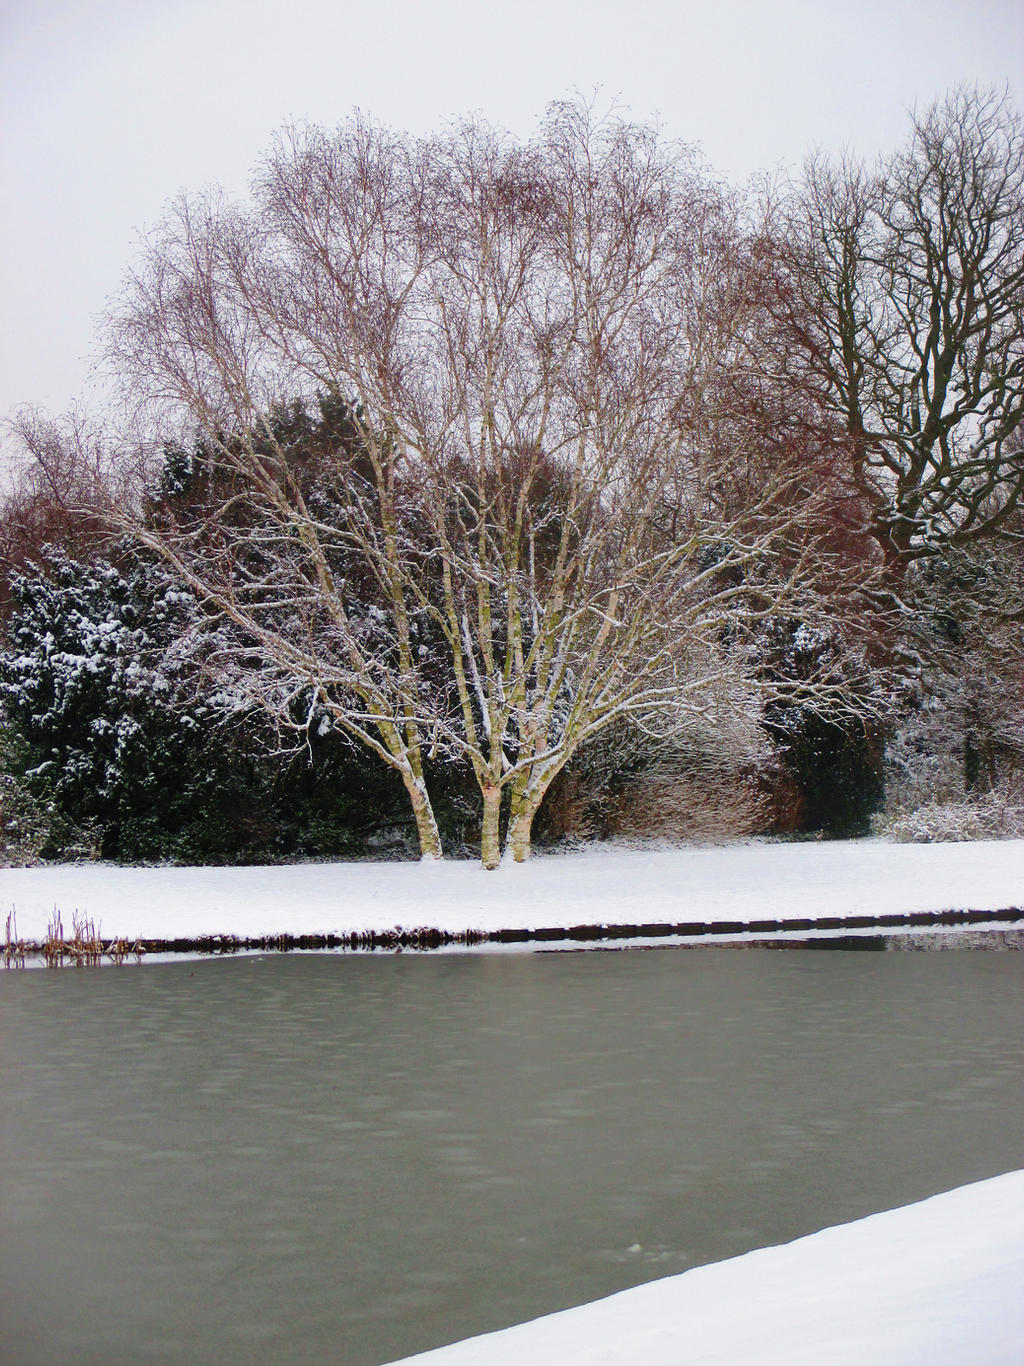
(300, 1160)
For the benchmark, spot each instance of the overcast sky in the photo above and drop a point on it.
(109, 107)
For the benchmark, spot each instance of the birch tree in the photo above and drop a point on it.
(554, 482)
(267, 545)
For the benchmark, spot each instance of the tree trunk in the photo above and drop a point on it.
(490, 843)
(520, 829)
(426, 824)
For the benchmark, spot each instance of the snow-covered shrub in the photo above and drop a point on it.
(958, 728)
(31, 824)
(92, 688)
(923, 760)
(25, 820)
(991, 816)
(130, 736)
(116, 734)
(955, 752)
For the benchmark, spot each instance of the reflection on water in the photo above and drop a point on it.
(345, 1160)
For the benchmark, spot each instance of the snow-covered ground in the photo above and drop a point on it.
(598, 885)
(933, 1284)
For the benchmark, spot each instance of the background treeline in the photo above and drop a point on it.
(465, 492)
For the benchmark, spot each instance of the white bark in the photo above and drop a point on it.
(568, 469)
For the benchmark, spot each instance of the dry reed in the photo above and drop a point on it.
(14, 947)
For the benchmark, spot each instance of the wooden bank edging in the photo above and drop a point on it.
(427, 938)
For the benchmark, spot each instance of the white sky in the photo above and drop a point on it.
(109, 107)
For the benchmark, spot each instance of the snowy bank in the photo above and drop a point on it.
(599, 885)
(937, 1282)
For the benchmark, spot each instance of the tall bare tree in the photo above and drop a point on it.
(552, 478)
(905, 310)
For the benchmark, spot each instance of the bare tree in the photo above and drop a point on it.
(905, 301)
(189, 339)
(60, 468)
(552, 478)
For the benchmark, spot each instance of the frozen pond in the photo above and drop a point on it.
(291, 1161)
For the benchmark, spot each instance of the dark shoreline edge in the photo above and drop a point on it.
(767, 932)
